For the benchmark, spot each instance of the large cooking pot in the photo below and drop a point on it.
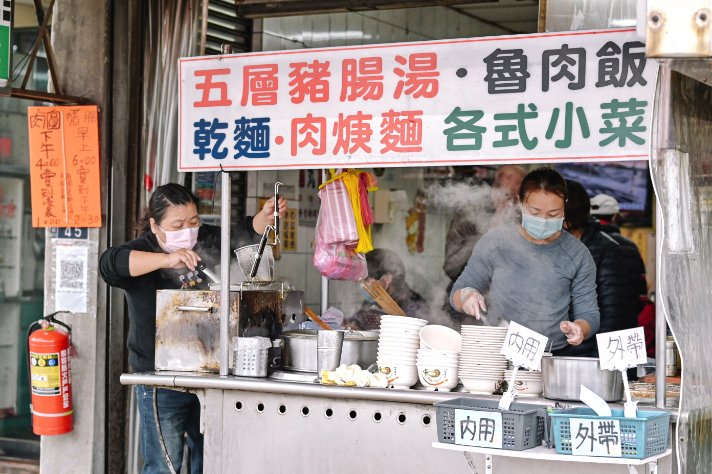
(563, 377)
(299, 349)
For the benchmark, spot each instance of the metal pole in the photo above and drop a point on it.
(660, 322)
(324, 280)
(225, 274)
(225, 202)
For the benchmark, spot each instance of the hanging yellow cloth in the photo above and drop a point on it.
(351, 179)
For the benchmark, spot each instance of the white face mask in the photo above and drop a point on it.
(180, 239)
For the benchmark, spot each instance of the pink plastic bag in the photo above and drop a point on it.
(339, 262)
(336, 223)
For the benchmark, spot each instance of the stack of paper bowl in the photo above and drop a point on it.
(529, 383)
(437, 370)
(438, 357)
(398, 345)
(482, 367)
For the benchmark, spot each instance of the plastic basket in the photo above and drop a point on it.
(523, 425)
(641, 437)
(251, 362)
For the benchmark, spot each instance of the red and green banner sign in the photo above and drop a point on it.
(574, 96)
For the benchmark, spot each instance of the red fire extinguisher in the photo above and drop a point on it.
(48, 343)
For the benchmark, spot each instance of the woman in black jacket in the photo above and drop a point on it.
(173, 241)
(617, 298)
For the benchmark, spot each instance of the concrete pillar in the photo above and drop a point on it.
(82, 43)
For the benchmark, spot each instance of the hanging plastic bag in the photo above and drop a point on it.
(336, 222)
(338, 262)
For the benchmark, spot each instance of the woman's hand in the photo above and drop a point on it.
(182, 258)
(266, 216)
(576, 332)
(473, 303)
(268, 209)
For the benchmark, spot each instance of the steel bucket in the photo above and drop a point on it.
(563, 377)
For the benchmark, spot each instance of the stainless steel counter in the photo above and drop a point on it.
(190, 380)
(378, 427)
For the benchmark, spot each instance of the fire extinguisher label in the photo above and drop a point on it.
(45, 372)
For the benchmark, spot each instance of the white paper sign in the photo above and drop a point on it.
(71, 287)
(523, 346)
(595, 437)
(579, 96)
(619, 350)
(478, 428)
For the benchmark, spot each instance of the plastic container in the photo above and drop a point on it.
(641, 437)
(523, 425)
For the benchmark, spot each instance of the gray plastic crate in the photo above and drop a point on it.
(523, 425)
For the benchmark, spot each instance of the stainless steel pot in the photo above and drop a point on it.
(563, 377)
(299, 349)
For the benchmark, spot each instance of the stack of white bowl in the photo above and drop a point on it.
(482, 367)
(398, 345)
(437, 357)
(529, 383)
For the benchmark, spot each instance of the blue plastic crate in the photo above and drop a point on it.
(641, 437)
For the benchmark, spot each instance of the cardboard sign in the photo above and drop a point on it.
(578, 96)
(524, 347)
(595, 437)
(478, 428)
(620, 350)
(64, 166)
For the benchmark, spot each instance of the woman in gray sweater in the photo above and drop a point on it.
(534, 273)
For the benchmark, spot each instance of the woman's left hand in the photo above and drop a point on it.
(574, 332)
(268, 209)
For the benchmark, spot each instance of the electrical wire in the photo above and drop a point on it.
(161, 441)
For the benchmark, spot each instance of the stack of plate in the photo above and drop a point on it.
(398, 345)
(529, 383)
(482, 367)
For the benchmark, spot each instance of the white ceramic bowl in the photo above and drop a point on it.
(440, 378)
(440, 338)
(399, 375)
(530, 387)
(437, 355)
(387, 318)
(436, 361)
(482, 385)
(490, 373)
(401, 332)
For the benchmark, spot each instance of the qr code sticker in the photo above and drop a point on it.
(71, 274)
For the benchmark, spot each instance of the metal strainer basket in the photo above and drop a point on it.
(246, 257)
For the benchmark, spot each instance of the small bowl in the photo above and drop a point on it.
(438, 378)
(440, 338)
(528, 387)
(399, 375)
(482, 386)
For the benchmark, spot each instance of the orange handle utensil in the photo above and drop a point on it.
(316, 319)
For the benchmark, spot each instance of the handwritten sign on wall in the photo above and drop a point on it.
(64, 166)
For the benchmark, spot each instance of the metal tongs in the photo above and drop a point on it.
(265, 234)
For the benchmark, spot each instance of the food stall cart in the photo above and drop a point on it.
(470, 101)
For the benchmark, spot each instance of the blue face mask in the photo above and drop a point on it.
(540, 228)
(367, 297)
